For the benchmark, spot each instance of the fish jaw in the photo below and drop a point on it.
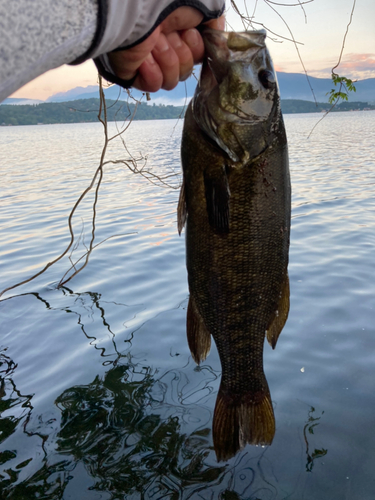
(237, 95)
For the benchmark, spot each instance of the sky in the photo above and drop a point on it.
(318, 26)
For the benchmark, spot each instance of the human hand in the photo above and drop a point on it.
(168, 55)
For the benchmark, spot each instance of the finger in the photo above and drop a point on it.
(181, 19)
(217, 24)
(150, 77)
(125, 63)
(168, 61)
(184, 54)
(194, 41)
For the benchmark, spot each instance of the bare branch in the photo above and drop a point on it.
(344, 40)
(342, 81)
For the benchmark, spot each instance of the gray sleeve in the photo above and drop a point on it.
(39, 35)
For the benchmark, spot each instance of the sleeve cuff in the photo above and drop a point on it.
(123, 24)
(105, 70)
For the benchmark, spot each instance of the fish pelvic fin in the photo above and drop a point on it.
(238, 421)
(181, 209)
(199, 338)
(281, 315)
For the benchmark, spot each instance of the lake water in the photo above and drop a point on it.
(100, 398)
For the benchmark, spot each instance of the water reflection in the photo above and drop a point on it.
(127, 439)
(308, 431)
(124, 436)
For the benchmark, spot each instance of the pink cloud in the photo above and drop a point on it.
(354, 66)
(358, 62)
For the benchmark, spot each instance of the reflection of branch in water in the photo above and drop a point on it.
(135, 431)
(10, 397)
(90, 301)
(310, 425)
(134, 441)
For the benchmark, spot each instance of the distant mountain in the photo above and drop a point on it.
(86, 110)
(72, 95)
(292, 86)
(174, 97)
(296, 86)
(83, 111)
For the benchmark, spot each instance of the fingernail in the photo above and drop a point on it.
(186, 76)
(175, 40)
(150, 59)
(192, 37)
(162, 44)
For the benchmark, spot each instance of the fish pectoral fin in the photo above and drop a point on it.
(181, 209)
(281, 314)
(217, 199)
(199, 338)
(249, 419)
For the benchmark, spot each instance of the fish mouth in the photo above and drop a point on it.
(237, 87)
(223, 48)
(235, 41)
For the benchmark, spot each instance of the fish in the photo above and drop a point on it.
(235, 202)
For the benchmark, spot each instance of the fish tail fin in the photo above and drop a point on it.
(240, 420)
(199, 338)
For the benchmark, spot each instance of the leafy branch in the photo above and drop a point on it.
(342, 81)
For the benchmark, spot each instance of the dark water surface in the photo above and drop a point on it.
(99, 396)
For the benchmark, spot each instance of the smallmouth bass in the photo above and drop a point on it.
(236, 201)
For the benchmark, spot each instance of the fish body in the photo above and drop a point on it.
(235, 201)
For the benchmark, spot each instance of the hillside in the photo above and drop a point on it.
(86, 110)
(81, 111)
(292, 86)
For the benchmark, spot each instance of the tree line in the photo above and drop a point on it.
(86, 110)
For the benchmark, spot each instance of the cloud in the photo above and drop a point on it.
(358, 65)
(354, 65)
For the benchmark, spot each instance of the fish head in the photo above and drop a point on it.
(237, 102)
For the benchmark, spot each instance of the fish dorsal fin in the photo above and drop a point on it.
(181, 209)
(281, 314)
(217, 198)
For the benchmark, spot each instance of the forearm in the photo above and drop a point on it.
(41, 35)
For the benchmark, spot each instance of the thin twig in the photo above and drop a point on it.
(344, 40)
(336, 96)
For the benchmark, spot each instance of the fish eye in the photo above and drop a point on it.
(266, 78)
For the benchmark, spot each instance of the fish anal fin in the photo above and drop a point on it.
(199, 338)
(248, 420)
(181, 209)
(217, 199)
(281, 315)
